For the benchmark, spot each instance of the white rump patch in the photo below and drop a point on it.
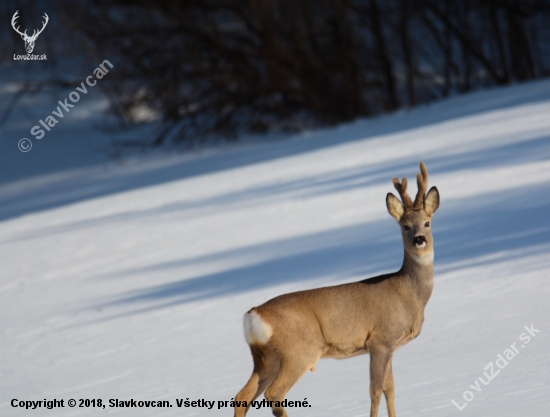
(426, 259)
(256, 330)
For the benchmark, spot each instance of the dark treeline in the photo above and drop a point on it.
(226, 67)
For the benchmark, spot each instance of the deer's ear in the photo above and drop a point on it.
(431, 201)
(395, 206)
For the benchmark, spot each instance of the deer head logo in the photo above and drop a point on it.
(29, 40)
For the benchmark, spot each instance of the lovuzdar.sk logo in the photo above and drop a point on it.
(29, 40)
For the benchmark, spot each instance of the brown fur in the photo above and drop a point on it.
(374, 316)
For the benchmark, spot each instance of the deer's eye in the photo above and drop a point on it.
(407, 228)
(427, 224)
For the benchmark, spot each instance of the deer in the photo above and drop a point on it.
(288, 334)
(29, 40)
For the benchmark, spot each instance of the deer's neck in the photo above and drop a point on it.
(419, 275)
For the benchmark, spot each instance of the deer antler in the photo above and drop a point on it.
(401, 188)
(35, 35)
(13, 19)
(422, 181)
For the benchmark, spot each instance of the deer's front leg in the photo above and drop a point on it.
(389, 389)
(379, 359)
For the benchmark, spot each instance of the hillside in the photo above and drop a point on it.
(129, 280)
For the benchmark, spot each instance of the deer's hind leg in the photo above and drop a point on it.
(265, 371)
(292, 369)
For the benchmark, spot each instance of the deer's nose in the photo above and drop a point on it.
(419, 240)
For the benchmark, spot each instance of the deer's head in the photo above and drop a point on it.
(415, 218)
(29, 40)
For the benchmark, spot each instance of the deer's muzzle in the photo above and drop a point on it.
(419, 241)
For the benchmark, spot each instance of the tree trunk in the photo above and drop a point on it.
(385, 62)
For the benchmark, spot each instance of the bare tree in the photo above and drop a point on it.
(220, 68)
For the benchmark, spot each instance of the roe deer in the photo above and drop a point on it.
(290, 333)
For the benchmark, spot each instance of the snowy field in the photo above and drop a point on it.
(129, 280)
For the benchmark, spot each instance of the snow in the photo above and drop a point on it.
(129, 279)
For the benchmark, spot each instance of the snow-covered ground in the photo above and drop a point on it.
(129, 280)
